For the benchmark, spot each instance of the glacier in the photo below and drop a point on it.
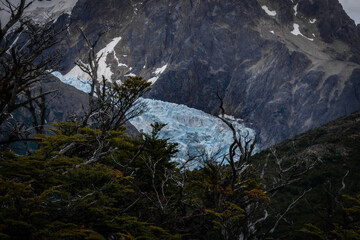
(196, 132)
(75, 81)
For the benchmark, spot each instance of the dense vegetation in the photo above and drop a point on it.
(331, 209)
(86, 179)
(136, 192)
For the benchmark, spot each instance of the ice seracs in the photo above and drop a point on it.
(196, 131)
(269, 12)
(74, 80)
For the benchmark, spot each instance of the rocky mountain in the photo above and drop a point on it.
(68, 101)
(284, 65)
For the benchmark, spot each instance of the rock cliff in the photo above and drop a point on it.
(285, 66)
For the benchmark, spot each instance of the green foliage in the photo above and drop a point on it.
(91, 183)
(336, 149)
(56, 194)
(311, 229)
(228, 221)
(349, 229)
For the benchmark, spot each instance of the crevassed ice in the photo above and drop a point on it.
(75, 81)
(269, 12)
(195, 131)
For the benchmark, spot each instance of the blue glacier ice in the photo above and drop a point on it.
(196, 132)
(75, 81)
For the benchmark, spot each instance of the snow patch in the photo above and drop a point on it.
(76, 72)
(119, 63)
(296, 32)
(116, 58)
(295, 9)
(157, 73)
(160, 70)
(153, 80)
(272, 32)
(109, 48)
(103, 68)
(40, 11)
(269, 12)
(312, 20)
(130, 75)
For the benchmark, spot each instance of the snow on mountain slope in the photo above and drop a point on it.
(103, 69)
(40, 11)
(195, 131)
(157, 73)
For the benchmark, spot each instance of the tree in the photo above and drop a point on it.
(233, 194)
(110, 104)
(43, 196)
(26, 56)
(342, 217)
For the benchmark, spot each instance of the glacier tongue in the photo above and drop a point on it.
(195, 131)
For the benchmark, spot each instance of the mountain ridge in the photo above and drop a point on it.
(285, 73)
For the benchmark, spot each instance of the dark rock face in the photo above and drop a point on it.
(65, 103)
(282, 83)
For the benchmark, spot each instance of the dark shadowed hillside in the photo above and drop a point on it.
(336, 148)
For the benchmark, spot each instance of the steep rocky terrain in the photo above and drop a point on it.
(286, 66)
(66, 102)
(336, 149)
